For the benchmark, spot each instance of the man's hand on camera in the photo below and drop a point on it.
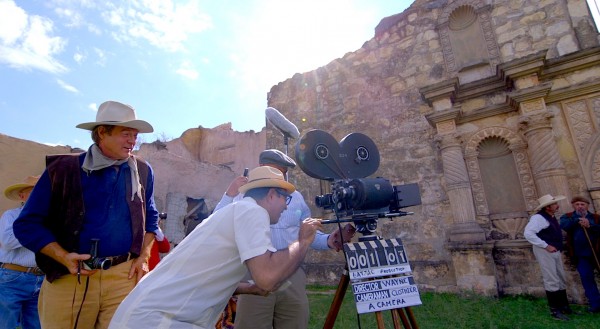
(308, 229)
(336, 239)
(75, 264)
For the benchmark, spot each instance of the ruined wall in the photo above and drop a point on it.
(198, 165)
(20, 158)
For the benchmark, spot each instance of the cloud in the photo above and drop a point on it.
(295, 37)
(101, 56)
(73, 18)
(187, 70)
(26, 41)
(78, 57)
(67, 86)
(93, 107)
(162, 23)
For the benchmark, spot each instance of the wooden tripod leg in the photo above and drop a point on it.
(411, 317)
(379, 318)
(337, 300)
(397, 313)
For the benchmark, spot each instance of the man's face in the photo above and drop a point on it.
(552, 209)
(119, 143)
(580, 207)
(278, 203)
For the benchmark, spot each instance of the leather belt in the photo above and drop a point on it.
(14, 267)
(116, 260)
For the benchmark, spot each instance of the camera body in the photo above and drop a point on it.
(354, 196)
(345, 165)
(95, 262)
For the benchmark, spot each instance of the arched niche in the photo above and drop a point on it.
(500, 149)
(468, 41)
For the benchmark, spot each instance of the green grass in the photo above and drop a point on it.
(442, 310)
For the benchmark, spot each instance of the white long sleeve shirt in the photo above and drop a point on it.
(536, 223)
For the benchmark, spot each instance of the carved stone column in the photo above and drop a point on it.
(548, 170)
(465, 228)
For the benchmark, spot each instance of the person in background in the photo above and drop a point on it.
(544, 233)
(20, 278)
(288, 306)
(161, 244)
(583, 241)
(98, 202)
(190, 286)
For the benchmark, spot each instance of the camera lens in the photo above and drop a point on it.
(324, 201)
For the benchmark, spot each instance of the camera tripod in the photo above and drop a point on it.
(402, 315)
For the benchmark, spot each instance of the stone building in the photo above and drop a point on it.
(487, 105)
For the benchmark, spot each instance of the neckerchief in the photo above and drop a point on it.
(96, 160)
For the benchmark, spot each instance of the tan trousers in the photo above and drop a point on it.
(286, 309)
(61, 301)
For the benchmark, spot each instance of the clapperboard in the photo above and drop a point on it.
(376, 259)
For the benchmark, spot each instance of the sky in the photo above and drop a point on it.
(180, 63)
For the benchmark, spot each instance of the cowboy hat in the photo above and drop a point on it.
(12, 192)
(266, 177)
(547, 200)
(117, 114)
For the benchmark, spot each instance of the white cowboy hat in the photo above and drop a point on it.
(266, 177)
(12, 192)
(117, 114)
(547, 200)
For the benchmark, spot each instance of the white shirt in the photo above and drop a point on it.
(286, 230)
(190, 287)
(11, 250)
(536, 223)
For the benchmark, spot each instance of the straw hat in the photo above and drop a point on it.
(547, 200)
(12, 192)
(117, 114)
(266, 177)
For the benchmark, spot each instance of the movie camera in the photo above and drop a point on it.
(353, 197)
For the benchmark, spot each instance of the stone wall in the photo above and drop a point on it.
(439, 88)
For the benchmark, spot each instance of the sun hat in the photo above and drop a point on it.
(547, 200)
(12, 192)
(266, 177)
(117, 114)
(276, 157)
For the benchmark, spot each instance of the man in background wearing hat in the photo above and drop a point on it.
(104, 195)
(544, 233)
(20, 278)
(583, 239)
(288, 306)
(206, 268)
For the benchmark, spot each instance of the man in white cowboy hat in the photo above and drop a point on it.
(583, 242)
(101, 200)
(21, 278)
(199, 276)
(544, 233)
(285, 308)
